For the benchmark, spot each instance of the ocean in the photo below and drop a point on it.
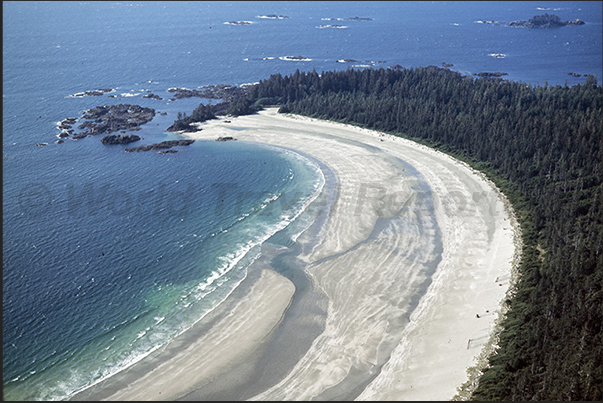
(108, 255)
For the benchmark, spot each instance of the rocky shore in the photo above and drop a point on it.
(494, 74)
(65, 126)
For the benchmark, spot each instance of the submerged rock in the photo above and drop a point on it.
(153, 96)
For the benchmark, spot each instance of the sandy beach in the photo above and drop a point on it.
(414, 261)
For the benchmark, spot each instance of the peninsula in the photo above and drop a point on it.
(376, 340)
(542, 157)
(399, 204)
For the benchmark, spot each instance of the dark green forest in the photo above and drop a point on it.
(543, 147)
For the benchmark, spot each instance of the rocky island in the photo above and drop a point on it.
(120, 139)
(113, 118)
(489, 22)
(544, 21)
(225, 92)
(164, 145)
(94, 93)
(152, 96)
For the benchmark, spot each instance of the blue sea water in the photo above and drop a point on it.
(108, 255)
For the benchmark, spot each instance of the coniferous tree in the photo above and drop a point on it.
(543, 146)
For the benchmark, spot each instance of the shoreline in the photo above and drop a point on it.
(175, 370)
(414, 262)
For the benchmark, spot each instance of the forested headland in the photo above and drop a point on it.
(543, 147)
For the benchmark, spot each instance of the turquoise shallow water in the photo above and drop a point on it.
(107, 255)
(117, 267)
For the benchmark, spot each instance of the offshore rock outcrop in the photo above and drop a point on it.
(120, 139)
(95, 93)
(113, 118)
(225, 92)
(66, 124)
(153, 96)
(545, 21)
(164, 145)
